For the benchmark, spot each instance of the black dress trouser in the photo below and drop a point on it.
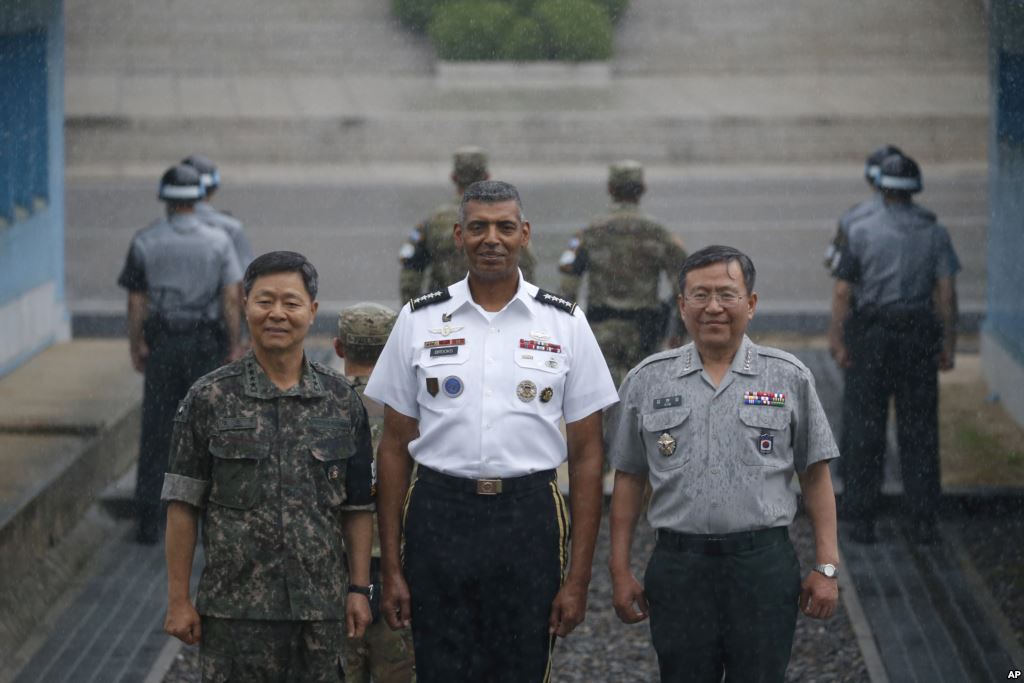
(175, 362)
(893, 356)
(723, 612)
(482, 572)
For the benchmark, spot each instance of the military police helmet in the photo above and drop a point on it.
(899, 173)
(366, 324)
(875, 159)
(181, 184)
(207, 169)
(469, 165)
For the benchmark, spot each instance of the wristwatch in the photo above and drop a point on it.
(362, 590)
(828, 570)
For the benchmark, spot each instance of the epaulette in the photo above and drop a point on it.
(325, 369)
(668, 354)
(783, 355)
(429, 299)
(230, 370)
(550, 299)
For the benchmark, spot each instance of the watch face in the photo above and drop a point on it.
(828, 570)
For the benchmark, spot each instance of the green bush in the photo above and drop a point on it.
(614, 8)
(575, 30)
(525, 41)
(471, 29)
(414, 14)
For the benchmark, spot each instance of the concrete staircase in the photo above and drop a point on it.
(337, 82)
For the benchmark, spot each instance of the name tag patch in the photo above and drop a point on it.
(764, 398)
(668, 402)
(444, 351)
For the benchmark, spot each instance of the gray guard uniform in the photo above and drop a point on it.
(232, 227)
(720, 462)
(182, 265)
(892, 260)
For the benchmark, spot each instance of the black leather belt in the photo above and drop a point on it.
(722, 544)
(486, 487)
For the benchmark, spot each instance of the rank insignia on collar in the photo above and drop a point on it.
(766, 444)
(764, 398)
(446, 317)
(666, 444)
(668, 402)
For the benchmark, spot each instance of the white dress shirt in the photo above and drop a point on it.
(490, 389)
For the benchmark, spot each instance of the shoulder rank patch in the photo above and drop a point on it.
(429, 299)
(550, 299)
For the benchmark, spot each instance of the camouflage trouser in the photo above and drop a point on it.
(382, 653)
(255, 651)
(621, 343)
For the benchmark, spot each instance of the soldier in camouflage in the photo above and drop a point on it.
(430, 249)
(625, 253)
(384, 654)
(273, 453)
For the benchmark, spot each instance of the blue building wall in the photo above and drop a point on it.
(1003, 333)
(33, 313)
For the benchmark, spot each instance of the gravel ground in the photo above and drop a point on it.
(822, 650)
(995, 545)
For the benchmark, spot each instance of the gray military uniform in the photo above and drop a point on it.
(726, 464)
(182, 265)
(231, 226)
(723, 581)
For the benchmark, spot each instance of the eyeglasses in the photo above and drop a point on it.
(725, 299)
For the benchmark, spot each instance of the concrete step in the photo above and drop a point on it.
(69, 425)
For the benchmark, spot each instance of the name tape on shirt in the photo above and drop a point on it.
(444, 351)
(668, 402)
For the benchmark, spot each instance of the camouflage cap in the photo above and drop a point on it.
(627, 172)
(366, 324)
(469, 165)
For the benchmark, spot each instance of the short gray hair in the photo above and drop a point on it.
(490, 192)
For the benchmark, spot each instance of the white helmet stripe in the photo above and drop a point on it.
(895, 183)
(181, 192)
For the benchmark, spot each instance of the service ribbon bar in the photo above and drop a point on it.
(443, 342)
(764, 398)
(535, 345)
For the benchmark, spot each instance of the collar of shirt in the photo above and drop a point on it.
(184, 222)
(461, 296)
(746, 361)
(258, 385)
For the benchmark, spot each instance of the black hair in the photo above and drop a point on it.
(718, 253)
(281, 262)
(490, 192)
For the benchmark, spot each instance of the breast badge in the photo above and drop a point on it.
(526, 391)
(432, 386)
(766, 444)
(546, 394)
(452, 386)
(667, 444)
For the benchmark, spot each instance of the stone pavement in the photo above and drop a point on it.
(338, 82)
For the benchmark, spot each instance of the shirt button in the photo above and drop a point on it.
(488, 392)
(489, 359)
(714, 505)
(715, 470)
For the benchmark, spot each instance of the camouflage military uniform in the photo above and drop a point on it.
(384, 654)
(273, 472)
(625, 253)
(430, 249)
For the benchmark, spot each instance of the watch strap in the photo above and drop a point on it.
(362, 590)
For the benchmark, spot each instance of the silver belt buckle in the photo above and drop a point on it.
(488, 487)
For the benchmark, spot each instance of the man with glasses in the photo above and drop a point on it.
(719, 427)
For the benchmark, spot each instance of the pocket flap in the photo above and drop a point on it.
(228, 448)
(665, 419)
(765, 417)
(332, 448)
(540, 360)
(331, 423)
